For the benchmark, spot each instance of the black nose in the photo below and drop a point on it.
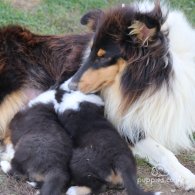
(73, 86)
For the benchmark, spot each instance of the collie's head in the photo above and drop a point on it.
(128, 41)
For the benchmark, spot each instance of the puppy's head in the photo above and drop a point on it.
(123, 37)
(71, 100)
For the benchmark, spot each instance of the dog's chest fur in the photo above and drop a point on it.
(167, 114)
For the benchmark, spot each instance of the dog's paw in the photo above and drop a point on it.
(37, 192)
(32, 184)
(5, 166)
(190, 183)
(77, 190)
(71, 191)
(157, 193)
(8, 154)
(185, 181)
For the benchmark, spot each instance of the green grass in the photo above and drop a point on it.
(62, 16)
(188, 6)
(50, 17)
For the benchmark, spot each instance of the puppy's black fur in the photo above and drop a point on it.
(42, 148)
(100, 155)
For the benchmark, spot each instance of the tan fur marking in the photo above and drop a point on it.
(96, 79)
(1, 66)
(7, 139)
(101, 52)
(115, 90)
(115, 178)
(8, 108)
(90, 24)
(122, 64)
(38, 177)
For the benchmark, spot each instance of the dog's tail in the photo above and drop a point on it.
(126, 168)
(54, 182)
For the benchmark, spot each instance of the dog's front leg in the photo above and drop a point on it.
(161, 157)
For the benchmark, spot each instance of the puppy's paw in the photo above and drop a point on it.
(71, 191)
(157, 193)
(33, 184)
(77, 190)
(5, 166)
(37, 192)
(8, 154)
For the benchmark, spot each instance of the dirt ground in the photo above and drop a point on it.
(24, 4)
(148, 178)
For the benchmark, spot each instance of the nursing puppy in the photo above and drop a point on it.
(41, 148)
(144, 65)
(100, 156)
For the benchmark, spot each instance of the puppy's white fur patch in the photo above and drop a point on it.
(70, 100)
(73, 99)
(64, 86)
(5, 166)
(78, 190)
(8, 154)
(44, 98)
(33, 184)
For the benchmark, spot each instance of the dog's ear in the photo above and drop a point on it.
(91, 18)
(147, 25)
(142, 32)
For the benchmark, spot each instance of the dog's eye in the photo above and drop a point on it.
(102, 62)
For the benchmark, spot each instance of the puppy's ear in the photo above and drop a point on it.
(147, 25)
(91, 18)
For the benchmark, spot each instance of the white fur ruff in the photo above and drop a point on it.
(168, 115)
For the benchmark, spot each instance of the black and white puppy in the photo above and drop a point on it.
(100, 156)
(41, 148)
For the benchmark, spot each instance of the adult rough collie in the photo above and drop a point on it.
(142, 59)
(30, 64)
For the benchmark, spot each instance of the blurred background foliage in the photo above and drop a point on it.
(63, 16)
